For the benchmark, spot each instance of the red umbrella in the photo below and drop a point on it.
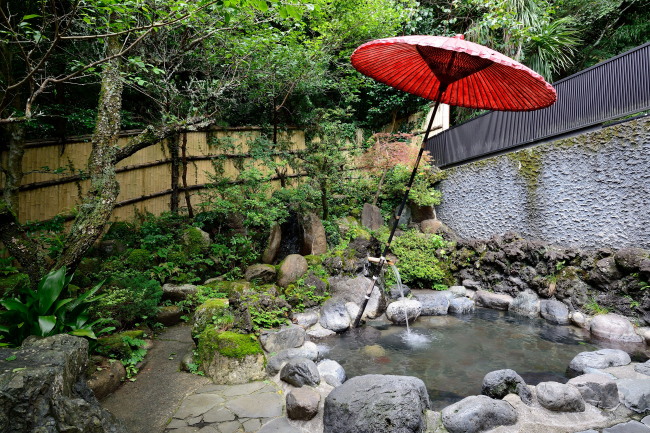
(453, 71)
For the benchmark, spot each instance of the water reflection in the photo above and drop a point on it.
(452, 354)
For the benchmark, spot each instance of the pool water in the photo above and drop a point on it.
(452, 354)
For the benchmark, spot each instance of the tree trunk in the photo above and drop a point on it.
(176, 163)
(381, 183)
(323, 199)
(97, 206)
(190, 211)
(14, 169)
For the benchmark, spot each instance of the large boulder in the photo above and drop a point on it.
(630, 259)
(422, 213)
(635, 394)
(331, 372)
(559, 397)
(284, 338)
(395, 292)
(306, 319)
(177, 292)
(433, 304)
(43, 389)
(334, 315)
(613, 327)
(597, 390)
(291, 269)
(497, 384)
(205, 314)
(299, 372)
(526, 304)
(603, 358)
(229, 358)
(377, 404)
(430, 226)
(496, 301)
(107, 377)
(354, 290)
(554, 312)
(371, 217)
(261, 273)
(461, 306)
(477, 414)
(400, 310)
(314, 239)
(169, 315)
(275, 363)
(273, 245)
(302, 404)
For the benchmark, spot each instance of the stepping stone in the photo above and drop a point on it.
(218, 415)
(245, 389)
(229, 427)
(265, 405)
(628, 427)
(646, 420)
(252, 425)
(196, 405)
(210, 388)
(279, 425)
(177, 423)
(208, 429)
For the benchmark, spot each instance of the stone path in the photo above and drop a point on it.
(251, 407)
(147, 404)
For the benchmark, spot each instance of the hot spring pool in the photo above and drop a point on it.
(458, 351)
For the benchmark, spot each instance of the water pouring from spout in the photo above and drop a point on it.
(401, 292)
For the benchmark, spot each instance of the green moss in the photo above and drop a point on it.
(313, 260)
(212, 311)
(529, 166)
(177, 257)
(139, 259)
(228, 344)
(10, 284)
(192, 242)
(114, 344)
(228, 287)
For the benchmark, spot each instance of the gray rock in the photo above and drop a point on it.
(331, 372)
(588, 431)
(292, 268)
(472, 284)
(377, 404)
(318, 285)
(371, 217)
(422, 213)
(597, 390)
(395, 293)
(497, 384)
(430, 226)
(526, 304)
(197, 405)
(44, 389)
(643, 368)
(299, 372)
(496, 301)
(461, 306)
(477, 414)
(302, 404)
(262, 405)
(404, 220)
(433, 304)
(334, 316)
(635, 394)
(354, 290)
(554, 312)
(599, 359)
(646, 420)
(353, 310)
(103, 382)
(188, 359)
(279, 425)
(398, 311)
(169, 315)
(628, 427)
(260, 272)
(273, 245)
(559, 397)
(630, 258)
(306, 319)
(317, 331)
(458, 291)
(308, 350)
(578, 319)
(176, 292)
(613, 327)
(285, 338)
(314, 240)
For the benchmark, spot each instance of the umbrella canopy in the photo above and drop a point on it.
(468, 74)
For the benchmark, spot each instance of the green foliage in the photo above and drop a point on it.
(300, 296)
(6, 264)
(46, 312)
(139, 259)
(128, 301)
(138, 352)
(417, 261)
(440, 287)
(592, 307)
(123, 232)
(264, 319)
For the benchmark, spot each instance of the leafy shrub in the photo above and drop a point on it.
(418, 264)
(46, 313)
(131, 300)
(124, 232)
(139, 259)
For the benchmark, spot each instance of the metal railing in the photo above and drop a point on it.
(609, 90)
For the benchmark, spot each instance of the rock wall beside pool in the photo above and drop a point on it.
(588, 191)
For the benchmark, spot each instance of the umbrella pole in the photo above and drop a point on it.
(382, 259)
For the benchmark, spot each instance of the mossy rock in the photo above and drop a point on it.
(362, 233)
(195, 241)
(205, 313)
(88, 265)
(313, 260)
(227, 343)
(177, 257)
(115, 345)
(139, 259)
(9, 284)
(228, 287)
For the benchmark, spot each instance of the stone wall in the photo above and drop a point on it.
(587, 191)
